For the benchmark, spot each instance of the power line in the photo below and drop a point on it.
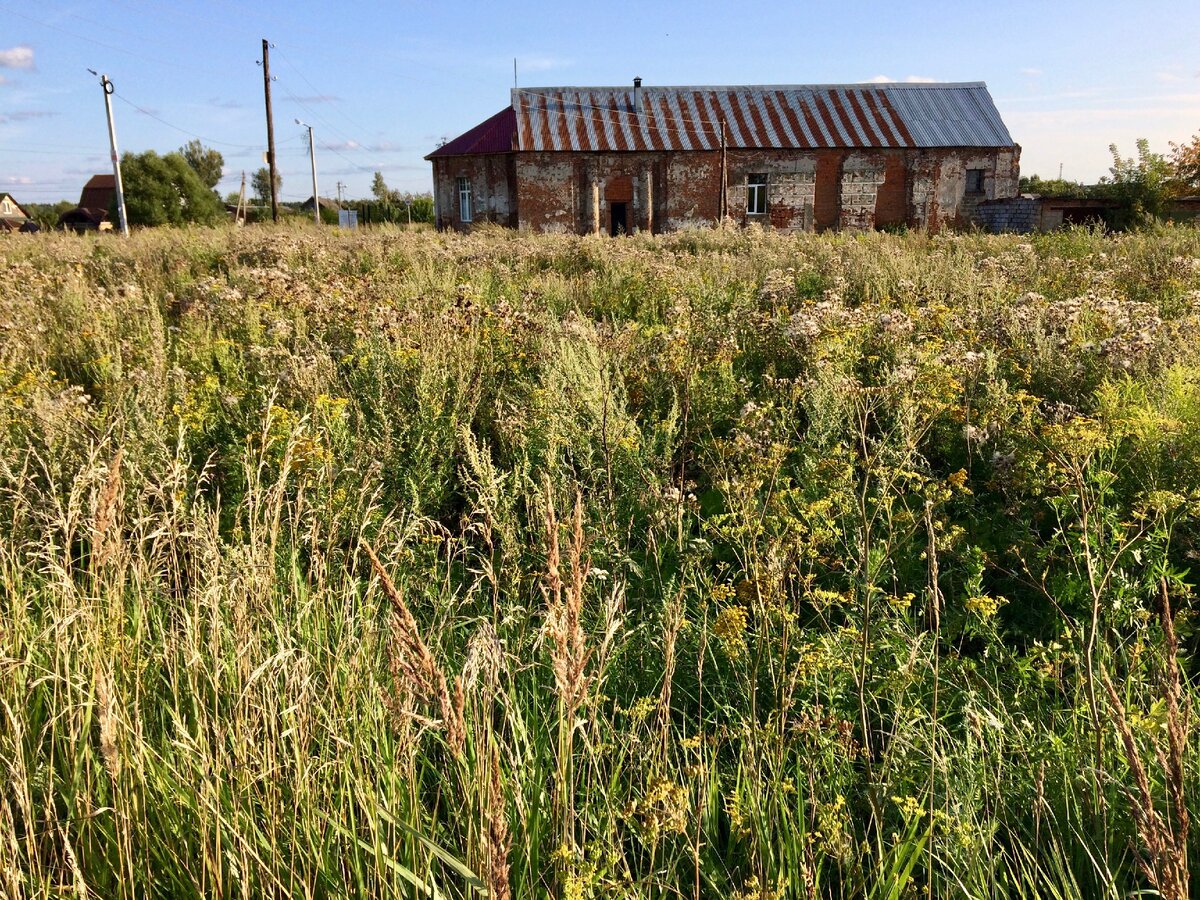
(199, 137)
(113, 47)
(317, 91)
(42, 150)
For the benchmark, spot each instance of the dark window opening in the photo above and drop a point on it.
(975, 181)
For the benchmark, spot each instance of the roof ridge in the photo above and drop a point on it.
(888, 85)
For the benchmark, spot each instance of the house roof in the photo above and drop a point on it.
(98, 192)
(850, 116)
(494, 135)
(82, 215)
(5, 195)
(326, 203)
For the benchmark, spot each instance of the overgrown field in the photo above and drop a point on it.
(708, 565)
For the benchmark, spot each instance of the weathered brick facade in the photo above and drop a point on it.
(652, 183)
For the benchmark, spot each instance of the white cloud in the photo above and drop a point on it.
(19, 180)
(908, 79)
(19, 57)
(542, 63)
(1041, 98)
(25, 115)
(338, 146)
(1031, 72)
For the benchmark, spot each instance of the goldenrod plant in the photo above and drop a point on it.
(724, 563)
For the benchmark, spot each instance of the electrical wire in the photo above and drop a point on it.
(317, 91)
(53, 150)
(204, 139)
(150, 59)
(199, 137)
(636, 118)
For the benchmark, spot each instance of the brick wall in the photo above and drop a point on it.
(860, 186)
(1019, 214)
(806, 190)
(827, 203)
(492, 196)
(891, 199)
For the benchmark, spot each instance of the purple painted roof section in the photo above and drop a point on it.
(494, 135)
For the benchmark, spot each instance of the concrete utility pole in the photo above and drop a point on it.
(724, 201)
(312, 155)
(274, 173)
(112, 143)
(340, 187)
(239, 217)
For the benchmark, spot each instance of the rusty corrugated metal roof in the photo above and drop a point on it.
(772, 116)
(495, 135)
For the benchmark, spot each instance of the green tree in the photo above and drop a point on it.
(165, 190)
(381, 191)
(1052, 187)
(1142, 186)
(1185, 161)
(209, 164)
(260, 183)
(420, 205)
(46, 214)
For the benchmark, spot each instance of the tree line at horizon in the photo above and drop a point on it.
(179, 188)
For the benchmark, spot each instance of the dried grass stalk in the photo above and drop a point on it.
(108, 513)
(499, 842)
(108, 725)
(564, 607)
(1164, 838)
(413, 666)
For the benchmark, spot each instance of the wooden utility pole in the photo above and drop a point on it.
(273, 172)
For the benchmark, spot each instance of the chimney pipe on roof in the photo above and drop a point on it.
(637, 96)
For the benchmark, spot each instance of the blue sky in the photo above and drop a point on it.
(382, 82)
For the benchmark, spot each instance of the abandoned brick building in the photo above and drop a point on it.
(795, 157)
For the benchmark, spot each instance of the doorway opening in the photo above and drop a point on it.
(616, 223)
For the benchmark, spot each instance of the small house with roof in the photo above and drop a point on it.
(791, 157)
(94, 202)
(12, 216)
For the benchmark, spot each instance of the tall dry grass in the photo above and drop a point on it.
(288, 608)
